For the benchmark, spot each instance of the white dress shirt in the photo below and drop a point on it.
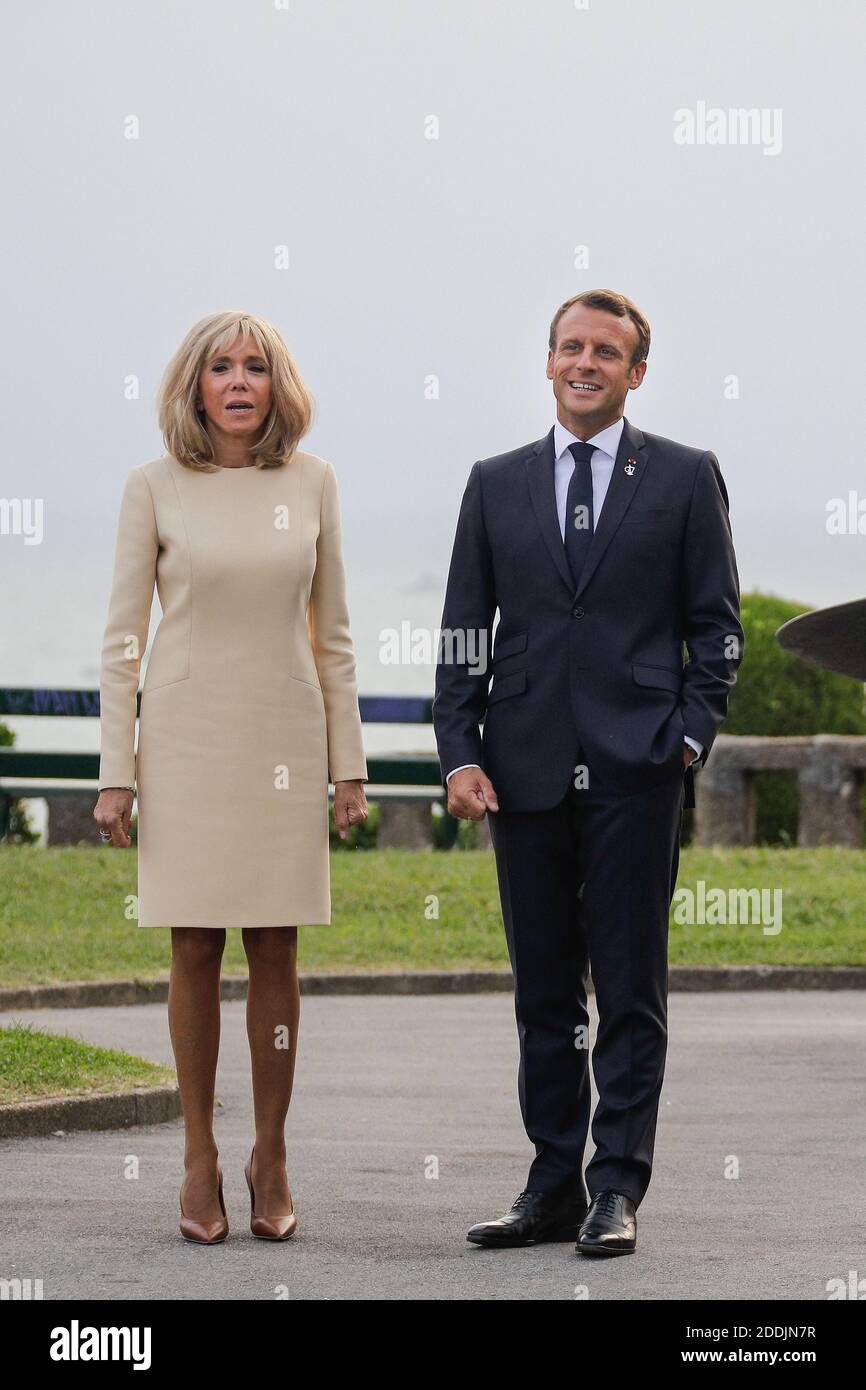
(606, 444)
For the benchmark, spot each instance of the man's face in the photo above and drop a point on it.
(590, 368)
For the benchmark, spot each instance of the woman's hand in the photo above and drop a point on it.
(113, 813)
(350, 806)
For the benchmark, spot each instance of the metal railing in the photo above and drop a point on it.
(396, 773)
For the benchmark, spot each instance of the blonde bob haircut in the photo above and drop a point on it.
(183, 426)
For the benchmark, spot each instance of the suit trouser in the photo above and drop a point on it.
(624, 850)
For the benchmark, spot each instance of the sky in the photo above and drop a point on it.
(408, 191)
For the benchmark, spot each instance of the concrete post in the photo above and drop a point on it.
(831, 798)
(724, 803)
(70, 819)
(405, 823)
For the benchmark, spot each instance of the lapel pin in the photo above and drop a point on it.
(630, 466)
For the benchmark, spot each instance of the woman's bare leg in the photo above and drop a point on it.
(273, 1015)
(194, 1025)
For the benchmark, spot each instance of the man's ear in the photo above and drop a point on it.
(637, 375)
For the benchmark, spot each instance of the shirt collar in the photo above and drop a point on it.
(607, 439)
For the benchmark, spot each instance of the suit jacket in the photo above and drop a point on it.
(598, 667)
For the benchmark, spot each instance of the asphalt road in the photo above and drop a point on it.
(391, 1091)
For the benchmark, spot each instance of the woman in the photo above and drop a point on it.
(249, 707)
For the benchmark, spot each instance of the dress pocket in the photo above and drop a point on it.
(160, 682)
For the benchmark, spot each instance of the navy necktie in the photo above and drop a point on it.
(578, 510)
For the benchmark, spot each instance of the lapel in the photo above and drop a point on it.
(622, 488)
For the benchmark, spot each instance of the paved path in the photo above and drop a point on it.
(384, 1084)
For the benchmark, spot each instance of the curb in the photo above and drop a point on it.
(145, 1105)
(85, 994)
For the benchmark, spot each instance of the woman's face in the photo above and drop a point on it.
(235, 391)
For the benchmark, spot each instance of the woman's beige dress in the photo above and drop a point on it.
(250, 702)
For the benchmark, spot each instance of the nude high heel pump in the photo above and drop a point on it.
(268, 1227)
(206, 1232)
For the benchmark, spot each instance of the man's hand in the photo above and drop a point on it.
(471, 794)
(113, 812)
(350, 806)
(689, 754)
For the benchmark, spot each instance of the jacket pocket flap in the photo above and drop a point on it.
(509, 646)
(661, 676)
(503, 686)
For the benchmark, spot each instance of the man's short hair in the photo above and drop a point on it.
(611, 303)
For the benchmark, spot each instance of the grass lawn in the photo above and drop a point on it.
(62, 913)
(35, 1065)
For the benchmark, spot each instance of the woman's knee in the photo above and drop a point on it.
(198, 945)
(271, 944)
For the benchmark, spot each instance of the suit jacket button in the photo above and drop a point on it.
(578, 613)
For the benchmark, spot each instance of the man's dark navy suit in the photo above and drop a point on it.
(590, 676)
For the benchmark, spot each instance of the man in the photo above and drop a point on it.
(604, 550)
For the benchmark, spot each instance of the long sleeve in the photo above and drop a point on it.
(460, 698)
(711, 605)
(126, 631)
(328, 619)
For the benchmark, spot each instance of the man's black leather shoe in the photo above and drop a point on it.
(610, 1227)
(534, 1216)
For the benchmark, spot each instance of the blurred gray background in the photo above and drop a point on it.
(304, 125)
